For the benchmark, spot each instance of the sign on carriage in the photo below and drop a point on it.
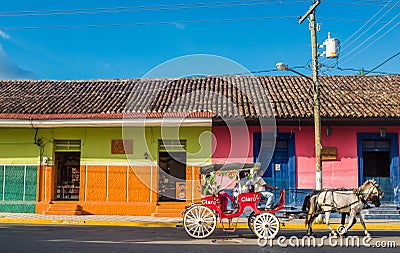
(251, 198)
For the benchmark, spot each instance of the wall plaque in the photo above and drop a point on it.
(329, 154)
(121, 146)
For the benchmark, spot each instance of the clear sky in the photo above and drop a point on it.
(93, 39)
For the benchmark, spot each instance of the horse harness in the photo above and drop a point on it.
(334, 204)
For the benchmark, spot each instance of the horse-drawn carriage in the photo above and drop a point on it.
(225, 200)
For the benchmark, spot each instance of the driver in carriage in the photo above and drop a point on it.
(260, 186)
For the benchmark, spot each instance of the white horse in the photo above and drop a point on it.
(351, 202)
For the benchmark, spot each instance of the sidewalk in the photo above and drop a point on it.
(147, 221)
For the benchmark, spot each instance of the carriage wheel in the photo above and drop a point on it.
(199, 221)
(266, 226)
(250, 221)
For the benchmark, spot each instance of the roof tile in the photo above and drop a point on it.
(217, 96)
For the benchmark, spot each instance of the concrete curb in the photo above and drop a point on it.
(90, 223)
(284, 225)
(370, 226)
(298, 226)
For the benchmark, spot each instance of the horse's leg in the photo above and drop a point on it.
(327, 218)
(309, 225)
(343, 219)
(363, 224)
(342, 229)
(352, 219)
(353, 222)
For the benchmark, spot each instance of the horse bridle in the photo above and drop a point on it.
(375, 186)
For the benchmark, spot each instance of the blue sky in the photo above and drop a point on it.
(148, 33)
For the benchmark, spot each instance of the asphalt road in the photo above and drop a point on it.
(63, 239)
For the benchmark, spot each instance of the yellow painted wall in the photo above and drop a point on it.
(126, 190)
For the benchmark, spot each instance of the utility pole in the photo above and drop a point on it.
(317, 117)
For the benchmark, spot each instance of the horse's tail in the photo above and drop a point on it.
(311, 211)
(306, 203)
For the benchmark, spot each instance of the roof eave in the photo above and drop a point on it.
(136, 122)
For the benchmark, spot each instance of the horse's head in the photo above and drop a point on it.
(372, 192)
(375, 200)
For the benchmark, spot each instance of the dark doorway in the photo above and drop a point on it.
(172, 176)
(376, 164)
(376, 156)
(68, 175)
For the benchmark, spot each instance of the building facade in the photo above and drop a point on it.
(351, 155)
(134, 147)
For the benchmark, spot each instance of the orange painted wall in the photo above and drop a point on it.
(96, 183)
(189, 183)
(119, 190)
(46, 185)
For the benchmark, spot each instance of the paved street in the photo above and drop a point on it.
(63, 239)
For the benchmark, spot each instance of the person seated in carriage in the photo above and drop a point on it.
(212, 187)
(243, 185)
(260, 186)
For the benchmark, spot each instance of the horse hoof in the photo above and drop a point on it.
(342, 230)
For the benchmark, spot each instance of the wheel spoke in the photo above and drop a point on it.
(199, 221)
(190, 215)
(266, 226)
(207, 225)
(202, 212)
(198, 228)
(198, 213)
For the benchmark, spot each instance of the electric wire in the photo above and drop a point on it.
(341, 48)
(383, 63)
(366, 40)
(175, 22)
(147, 23)
(357, 20)
(370, 44)
(168, 7)
(369, 3)
(366, 23)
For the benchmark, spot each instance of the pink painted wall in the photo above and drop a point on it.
(232, 145)
(335, 174)
(343, 172)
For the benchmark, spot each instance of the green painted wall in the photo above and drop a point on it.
(17, 149)
(17, 196)
(96, 142)
(17, 146)
(198, 141)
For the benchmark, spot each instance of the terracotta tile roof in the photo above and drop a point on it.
(202, 97)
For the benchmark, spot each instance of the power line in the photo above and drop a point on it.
(142, 8)
(365, 41)
(358, 30)
(358, 20)
(146, 23)
(369, 3)
(357, 70)
(370, 37)
(177, 22)
(384, 62)
(344, 43)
